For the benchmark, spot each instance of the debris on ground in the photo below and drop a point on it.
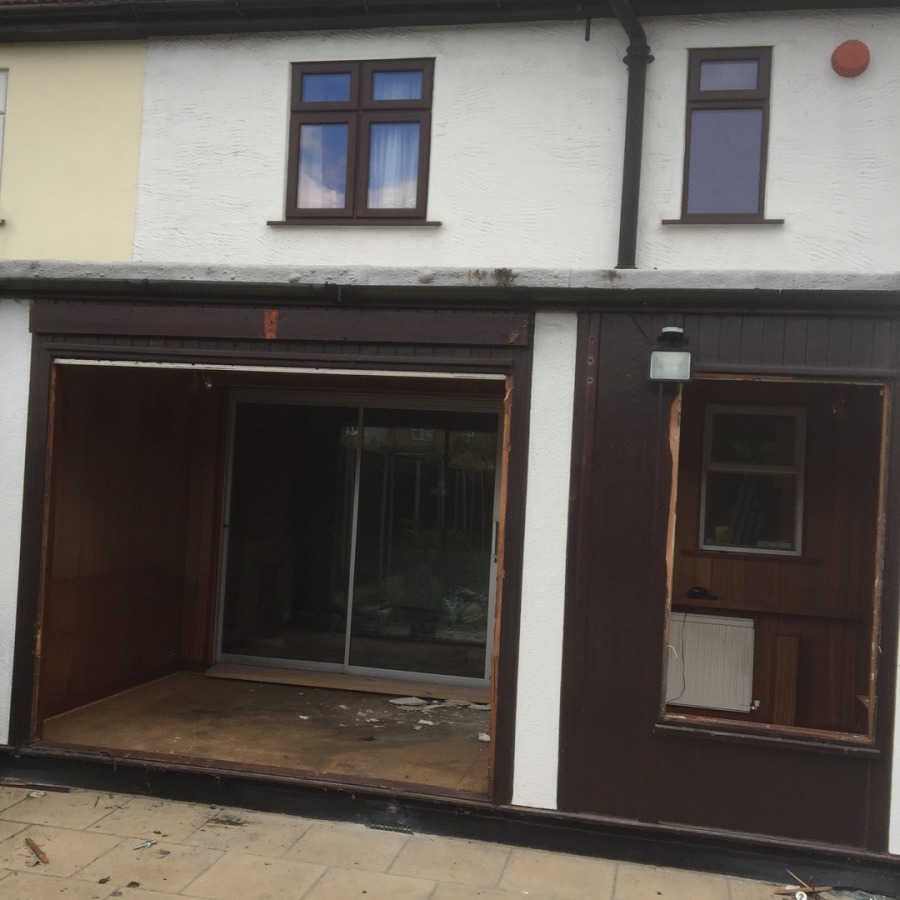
(37, 851)
(145, 845)
(222, 819)
(37, 794)
(484, 737)
(425, 722)
(409, 701)
(802, 891)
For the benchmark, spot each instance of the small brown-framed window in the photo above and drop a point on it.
(726, 135)
(751, 495)
(359, 141)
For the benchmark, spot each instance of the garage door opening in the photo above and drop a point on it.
(331, 538)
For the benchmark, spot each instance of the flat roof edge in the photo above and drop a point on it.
(74, 20)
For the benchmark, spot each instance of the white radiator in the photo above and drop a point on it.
(710, 662)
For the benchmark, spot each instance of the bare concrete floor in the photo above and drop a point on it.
(328, 733)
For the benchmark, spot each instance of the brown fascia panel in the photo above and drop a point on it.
(32, 20)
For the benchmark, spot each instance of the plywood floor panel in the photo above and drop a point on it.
(306, 729)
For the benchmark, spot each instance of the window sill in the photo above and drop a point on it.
(775, 736)
(731, 606)
(757, 556)
(345, 223)
(722, 220)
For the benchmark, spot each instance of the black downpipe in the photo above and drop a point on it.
(637, 59)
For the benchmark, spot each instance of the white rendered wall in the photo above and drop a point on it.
(833, 165)
(15, 368)
(525, 149)
(544, 567)
(527, 144)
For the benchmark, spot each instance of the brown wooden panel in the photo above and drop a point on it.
(787, 657)
(792, 343)
(612, 672)
(114, 593)
(400, 326)
(203, 526)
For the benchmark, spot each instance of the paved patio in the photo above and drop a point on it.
(99, 845)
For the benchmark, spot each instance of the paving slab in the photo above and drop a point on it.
(467, 892)
(140, 817)
(163, 867)
(225, 853)
(31, 886)
(349, 846)
(240, 875)
(565, 876)
(343, 884)
(62, 810)
(67, 850)
(452, 859)
(260, 834)
(635, 882)
(11, 795)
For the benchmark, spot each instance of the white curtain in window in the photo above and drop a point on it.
(393, 165)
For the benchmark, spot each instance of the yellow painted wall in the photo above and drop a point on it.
(68, 183)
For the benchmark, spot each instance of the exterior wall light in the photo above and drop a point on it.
(670, 360)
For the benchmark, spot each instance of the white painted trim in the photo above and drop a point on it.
(544, 567)
(290, 370)
(15, 372)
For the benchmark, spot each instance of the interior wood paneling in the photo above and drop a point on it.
(129, 486)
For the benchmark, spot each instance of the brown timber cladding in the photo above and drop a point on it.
(618, 758)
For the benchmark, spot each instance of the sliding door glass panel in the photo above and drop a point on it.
(289, 528)
(425, 532)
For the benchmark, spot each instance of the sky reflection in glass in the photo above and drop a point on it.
(323, 167)
(326, 88)
(725, 161)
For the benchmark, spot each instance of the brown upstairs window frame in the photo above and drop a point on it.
(739, 99)
(358, 111)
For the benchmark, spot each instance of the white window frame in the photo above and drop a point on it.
(797, 470)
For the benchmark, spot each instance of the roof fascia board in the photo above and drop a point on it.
(62, 20)
(787, 301)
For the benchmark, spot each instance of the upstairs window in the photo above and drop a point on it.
(359, 141)
(726, 135)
